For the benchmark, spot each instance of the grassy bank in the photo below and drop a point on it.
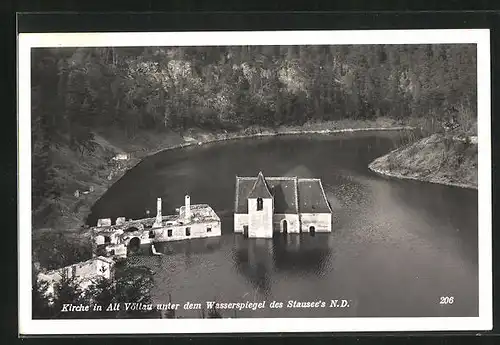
(439, 158)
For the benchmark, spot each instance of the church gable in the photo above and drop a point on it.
(260, 189)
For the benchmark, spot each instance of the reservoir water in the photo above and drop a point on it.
(397, 247)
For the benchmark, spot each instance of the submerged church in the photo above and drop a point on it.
(264, 205)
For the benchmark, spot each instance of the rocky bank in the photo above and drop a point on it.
(439, 158)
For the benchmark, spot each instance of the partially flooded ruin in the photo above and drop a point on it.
(191, 221)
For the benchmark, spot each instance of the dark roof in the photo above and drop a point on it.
(284, 191)
(243, 187)
(291, 194)
(260, 188)
(312, 198)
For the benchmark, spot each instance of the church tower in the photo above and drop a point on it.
(260, 209)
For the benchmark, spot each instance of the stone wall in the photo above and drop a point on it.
(240, 220)
(293, 223)
(260, 223)
(322, 222)
(178, 232)
(142, 235)
(90, 269)
(114, 238)
(117, 250)
(83, 272)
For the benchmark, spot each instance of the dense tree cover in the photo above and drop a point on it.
(53, 250)
(76, 91)
(130, 284)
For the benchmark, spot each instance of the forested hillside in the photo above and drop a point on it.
(86, 100)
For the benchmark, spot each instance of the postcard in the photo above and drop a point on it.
(254, 182)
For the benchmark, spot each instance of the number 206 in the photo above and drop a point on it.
(446, 300)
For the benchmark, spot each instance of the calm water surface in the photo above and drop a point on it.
(396, 246)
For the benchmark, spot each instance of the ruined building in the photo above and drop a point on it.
(192, 221)
(85, 273)
(264, 205)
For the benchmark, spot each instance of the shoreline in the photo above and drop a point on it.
(75, 221)
(275, 134)
(389, 174)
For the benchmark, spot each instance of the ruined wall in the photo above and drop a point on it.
(114, 238)
(99, 239)
(178, 232)
(293, 223)
(83, 272)
(90, 269)
(260, 223)
(117, 250)
(142, 235)
(322, 222)
(51, 278)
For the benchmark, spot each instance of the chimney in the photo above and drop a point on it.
(158, 214)
(187, 206)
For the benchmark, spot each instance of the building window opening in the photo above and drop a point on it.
(169, 232)
(260, 204)
(312, 230)
(188, 231)
(134, 244)
(209, 229)
(73, 271)
(151, 234)
(107, 239)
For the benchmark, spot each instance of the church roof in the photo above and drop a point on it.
(312, 198)
(284, 191)
(291, 194)
(260, 188)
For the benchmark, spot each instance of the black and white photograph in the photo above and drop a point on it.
(269, 181)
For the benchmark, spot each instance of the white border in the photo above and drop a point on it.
(484, 322)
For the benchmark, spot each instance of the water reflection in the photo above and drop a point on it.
(193, 246)
(291, 254)
(253, 259)
(302, 253)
